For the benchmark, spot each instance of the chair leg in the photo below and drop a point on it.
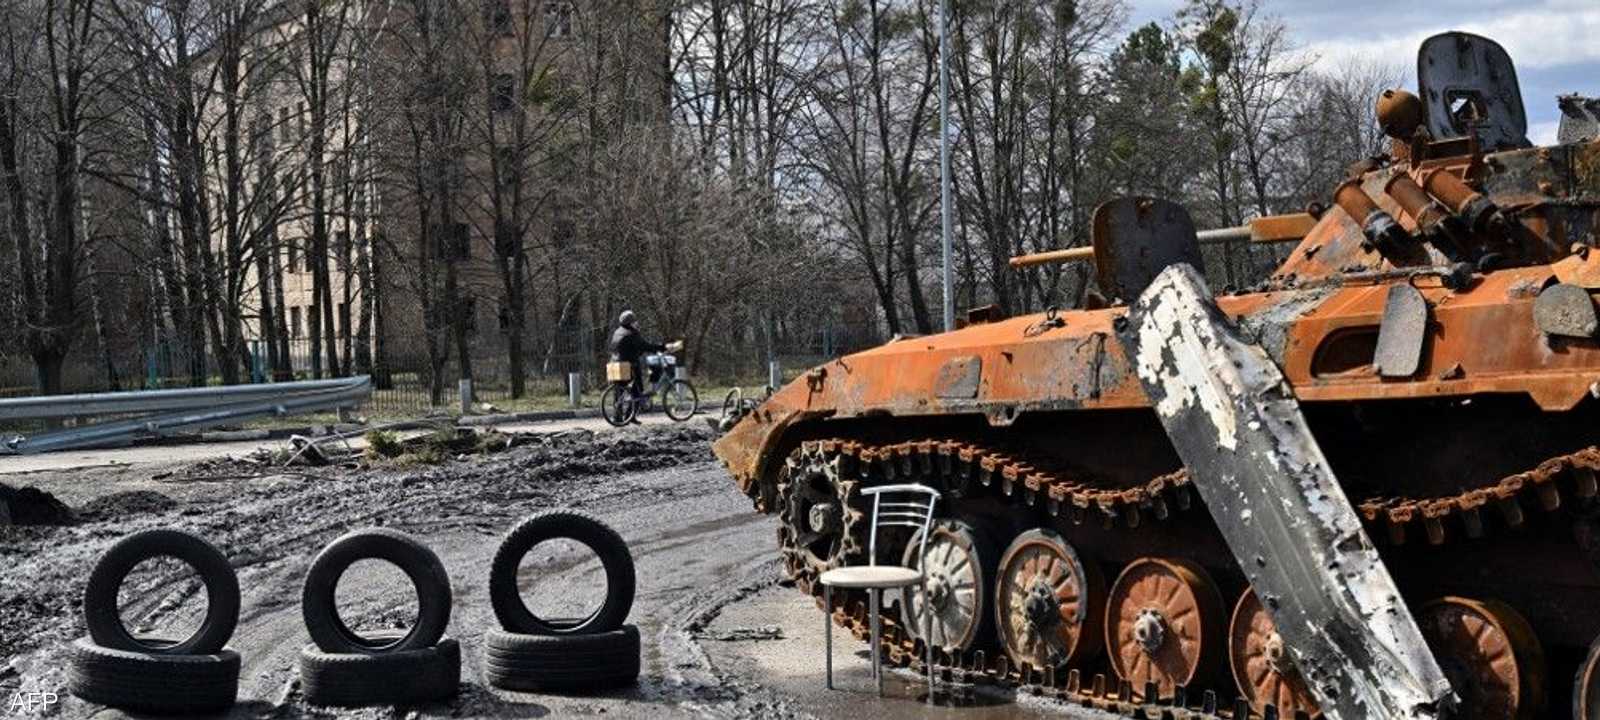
(877, 673)
(927, 636)
(827, 628)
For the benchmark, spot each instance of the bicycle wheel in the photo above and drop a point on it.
(731, 401)
(680, 400)
(616, 405)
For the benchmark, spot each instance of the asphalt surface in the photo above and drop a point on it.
(721, 636)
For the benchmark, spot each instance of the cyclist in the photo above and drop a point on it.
(629, 346)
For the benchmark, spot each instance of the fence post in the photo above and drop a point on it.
(774, 375)
(574, 388)
(464, 386)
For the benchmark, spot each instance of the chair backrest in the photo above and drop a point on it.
(906, 505)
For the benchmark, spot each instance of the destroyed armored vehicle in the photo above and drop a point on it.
(1364, 489)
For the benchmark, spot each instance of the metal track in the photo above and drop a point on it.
(964, 468)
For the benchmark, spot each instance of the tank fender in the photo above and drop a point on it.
(753, 444)
(1238, 427)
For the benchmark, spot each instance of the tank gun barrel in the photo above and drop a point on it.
(1270, 229)
(1292, 227)
(1076, 254)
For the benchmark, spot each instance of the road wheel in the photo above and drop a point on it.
(1261, 666)
(427, 574)
(103, 616)
(961, 563)
(1586, 686)
(513, 661)
(1489, 654)
(506, 597)
(1163, 625)
(680, 400)
(1047, 602)
(617, 406)
(406, 677)
(152, 682)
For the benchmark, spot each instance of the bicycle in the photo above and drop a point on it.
(619, 405)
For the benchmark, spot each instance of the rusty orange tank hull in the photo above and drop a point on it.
(1437, 326)
(1025, 365)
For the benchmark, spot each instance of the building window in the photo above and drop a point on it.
(454, 244)
(294, 322)
(300, 119)
(499, 12)
(504, 93)
(344, 319)
(505, 317)
(507, 239)
(283, 125)
(557, 19)
(294, 257)
(258, 139)
(469, 313)
(341, 242)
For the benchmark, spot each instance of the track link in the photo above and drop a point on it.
(963, 468)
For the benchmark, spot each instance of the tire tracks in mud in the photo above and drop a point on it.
(697, 542)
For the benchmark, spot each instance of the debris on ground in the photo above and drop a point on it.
(130, 504)
(31, 506)
(743, 634)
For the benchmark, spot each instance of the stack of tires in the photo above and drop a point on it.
(530, 653)
(346, 669)
(195, 675)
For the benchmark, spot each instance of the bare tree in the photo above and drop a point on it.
(53, 53)
(868, 118)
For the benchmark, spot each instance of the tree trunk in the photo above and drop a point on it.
(48, 366)
(908, 266)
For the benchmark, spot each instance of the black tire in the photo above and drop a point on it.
(617, 405)
(407, 677)
(153, 682)
(329, 631)
(679, 392)
(731, 401)
(506, 599)
(102, 615)
(512, 661)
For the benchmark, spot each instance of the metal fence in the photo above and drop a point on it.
(402, 385)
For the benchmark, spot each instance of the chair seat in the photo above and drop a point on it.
(871, 576)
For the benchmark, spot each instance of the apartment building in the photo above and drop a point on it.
(497, 50)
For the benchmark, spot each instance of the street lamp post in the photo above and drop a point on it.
(944, 161)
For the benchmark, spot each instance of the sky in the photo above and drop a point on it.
(1554, 43)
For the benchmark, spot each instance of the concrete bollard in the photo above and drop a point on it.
(574, 388)
(465, 388)
(774, 375)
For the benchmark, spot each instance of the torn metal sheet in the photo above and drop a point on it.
(1402, 334)
(1238, 427)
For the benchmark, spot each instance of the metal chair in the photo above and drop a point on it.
(911, 506)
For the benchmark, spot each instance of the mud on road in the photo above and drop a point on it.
(721, 637)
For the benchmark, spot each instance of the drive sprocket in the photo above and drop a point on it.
(823, 517)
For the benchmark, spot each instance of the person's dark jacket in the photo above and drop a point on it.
(628, 345)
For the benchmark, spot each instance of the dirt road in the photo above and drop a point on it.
(721, 638)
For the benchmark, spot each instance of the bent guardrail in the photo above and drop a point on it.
(164, 412)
